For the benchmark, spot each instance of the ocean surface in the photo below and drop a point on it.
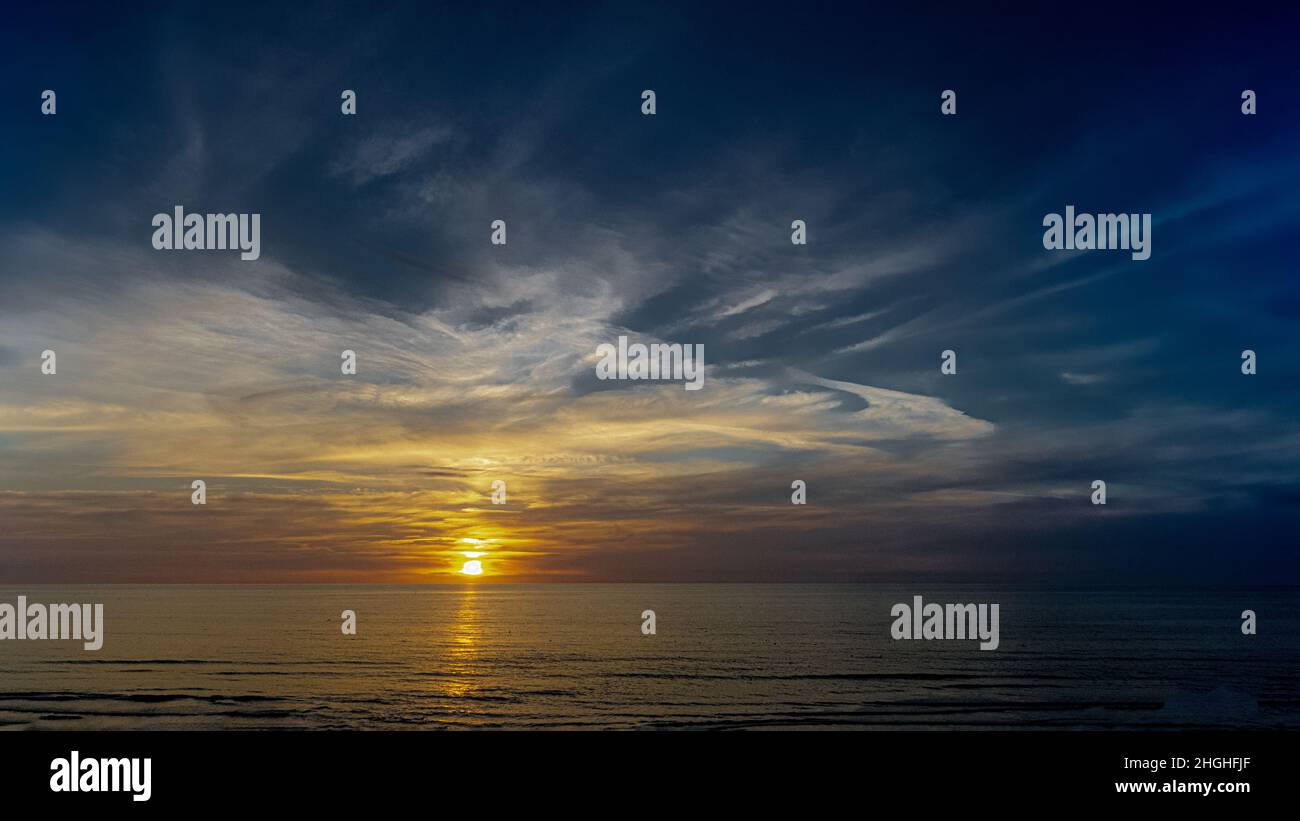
(724, 656)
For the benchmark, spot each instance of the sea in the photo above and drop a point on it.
(722, 657)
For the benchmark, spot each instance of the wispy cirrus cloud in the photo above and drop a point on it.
(476, 361)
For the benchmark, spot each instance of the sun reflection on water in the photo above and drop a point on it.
(465, 636)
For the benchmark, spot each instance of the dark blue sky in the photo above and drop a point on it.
(925, 234)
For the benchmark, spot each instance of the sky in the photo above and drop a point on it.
(476, 362)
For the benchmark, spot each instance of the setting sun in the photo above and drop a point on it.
(472, 568)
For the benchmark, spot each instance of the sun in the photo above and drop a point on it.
(472, 568)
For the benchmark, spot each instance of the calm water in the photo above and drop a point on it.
(729, 656)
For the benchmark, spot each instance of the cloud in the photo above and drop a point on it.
(476, 361)
(1082, 378)
(382, 155)
(749, 304)
(235, 379)
(896, 414)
